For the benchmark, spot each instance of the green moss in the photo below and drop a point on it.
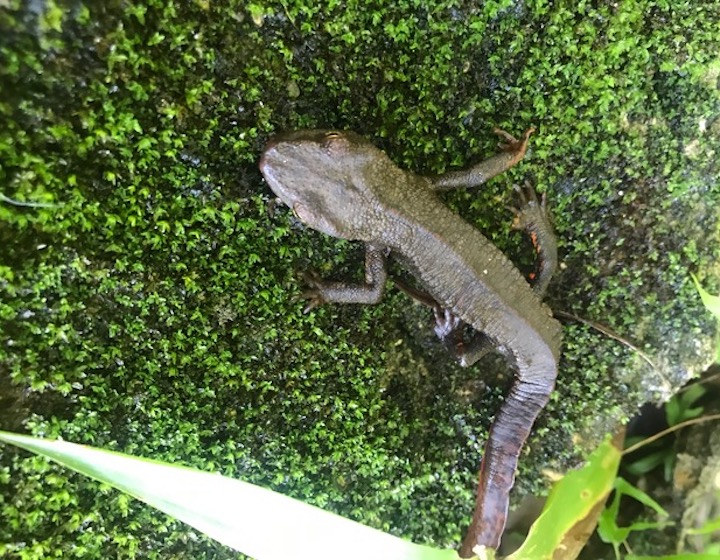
(151, 306)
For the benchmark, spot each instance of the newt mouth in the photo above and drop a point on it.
(273, 166)
(267, 155)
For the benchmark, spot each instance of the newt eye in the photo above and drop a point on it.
(299, 210)
(331, 137)
(334, 140)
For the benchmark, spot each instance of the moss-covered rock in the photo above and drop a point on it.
(149, 288)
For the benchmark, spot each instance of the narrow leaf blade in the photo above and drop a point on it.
(253, 520)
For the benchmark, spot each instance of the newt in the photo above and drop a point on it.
(339, 183)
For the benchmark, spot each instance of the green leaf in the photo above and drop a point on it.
(624, 487)
(608, 529)
(247, 518)
(709, 527)
(649, 462)
(686, 556)
(570, 501)
(156, 39)
(711, 302)
(679, 408)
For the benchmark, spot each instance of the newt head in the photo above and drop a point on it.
(323, 176)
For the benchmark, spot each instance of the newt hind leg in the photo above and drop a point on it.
(450, 329)
(531, 216)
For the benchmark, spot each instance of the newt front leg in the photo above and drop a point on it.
(512, 151)
(322, 291)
